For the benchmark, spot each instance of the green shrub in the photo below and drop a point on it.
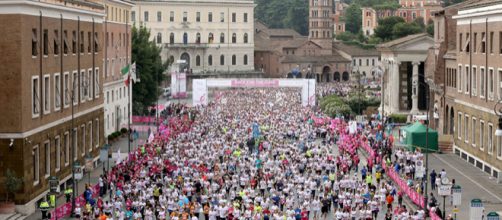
(398, 118)
(123, 130)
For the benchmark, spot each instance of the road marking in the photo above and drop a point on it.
(480, 186)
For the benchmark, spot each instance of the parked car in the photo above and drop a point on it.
(167, 92)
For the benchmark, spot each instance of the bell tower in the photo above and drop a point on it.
(321, 24)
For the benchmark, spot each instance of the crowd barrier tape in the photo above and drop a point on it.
(143, 119)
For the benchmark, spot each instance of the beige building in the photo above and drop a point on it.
(478, 88)
(213, 36)
(52, 52)
(117, 55)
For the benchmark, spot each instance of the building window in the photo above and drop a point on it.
(483, 42)
(185, 16)
(234, 60)
(96, 42)
(234, 17)
(96, 83)
(91, 140)
(461, 39)
(482, 83)
(74, 42)
(490, 84)
(210, 38)
(234, 38)
(210, 17)
(83, 90)
(245, 38)
(197, 38)
(46, 88)
(96, 130)
(66, 149)
(35, 85)
(171, 38)
(466, 84)
(75, 144)
(35, 153)
(46, 42)
(466, 129)
(81, 41)
(57, 144)
(491, 41)
(34, 42)
(490, 139)
(222, 17)
(47, 148)
(83, 135)
(88, 85)
(146, 16)
(197, 17)
(57, 91)
(467, 41)
(56, 42)
(75, 88)
(171, 16)
(133, 16)
(159, 38)
(460, 78)
(245, 60)
(210, 60)
(474, 81)
(500, 42)
(66, 92)
(159, 16)
(459, 125)
(481, 135)
(246, 17)
(222, 60)
(197, 60)
(222, 38)
(473, 132)
(89, 41)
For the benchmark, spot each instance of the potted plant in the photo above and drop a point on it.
(111, 138)
(12, 184)
(123, 131)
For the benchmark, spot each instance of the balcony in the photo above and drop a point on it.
(187, 45)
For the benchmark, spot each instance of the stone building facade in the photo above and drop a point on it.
(51, 54)
(213, 36)
(478, 86)
(117, 54)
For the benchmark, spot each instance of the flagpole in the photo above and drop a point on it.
(128, 92)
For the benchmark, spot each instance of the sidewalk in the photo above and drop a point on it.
(93, 178)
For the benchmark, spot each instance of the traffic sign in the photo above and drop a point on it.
(455, 210)
(457, 195)
(444, 190)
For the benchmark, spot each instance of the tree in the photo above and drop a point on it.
(353, 18)
(430, 28)
(12, 183)
(420, 22)
(386, 26)
(284, 14)
(146, 55)
(403, 29)
(296, 17)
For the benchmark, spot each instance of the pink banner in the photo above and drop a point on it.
(65, 210)
(143, 119)
(254, 83)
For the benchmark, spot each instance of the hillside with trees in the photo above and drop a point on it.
(292, 14)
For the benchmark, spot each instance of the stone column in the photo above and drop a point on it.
(395, 91)
(414, 96)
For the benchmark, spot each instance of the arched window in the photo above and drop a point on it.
(185, 38)
(222, 60)
(210, 38)
(197, 39)
(234, 38)
(234, 60)
(245, 59)
(210, 60)
(222, 38)
(159, 38)
(171, 38)
(197, 60)
(246, 38)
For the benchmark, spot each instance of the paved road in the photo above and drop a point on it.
(475, 184)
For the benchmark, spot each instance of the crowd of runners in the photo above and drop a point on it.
(252, 154)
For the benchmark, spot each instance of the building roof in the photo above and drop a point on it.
(282, 32)
(401, 40)
(355, 50)
(480, 3)
(336, 57)
(294, 43)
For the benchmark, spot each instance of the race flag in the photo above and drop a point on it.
(150, 139)
(127, 80)
(125, 70)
